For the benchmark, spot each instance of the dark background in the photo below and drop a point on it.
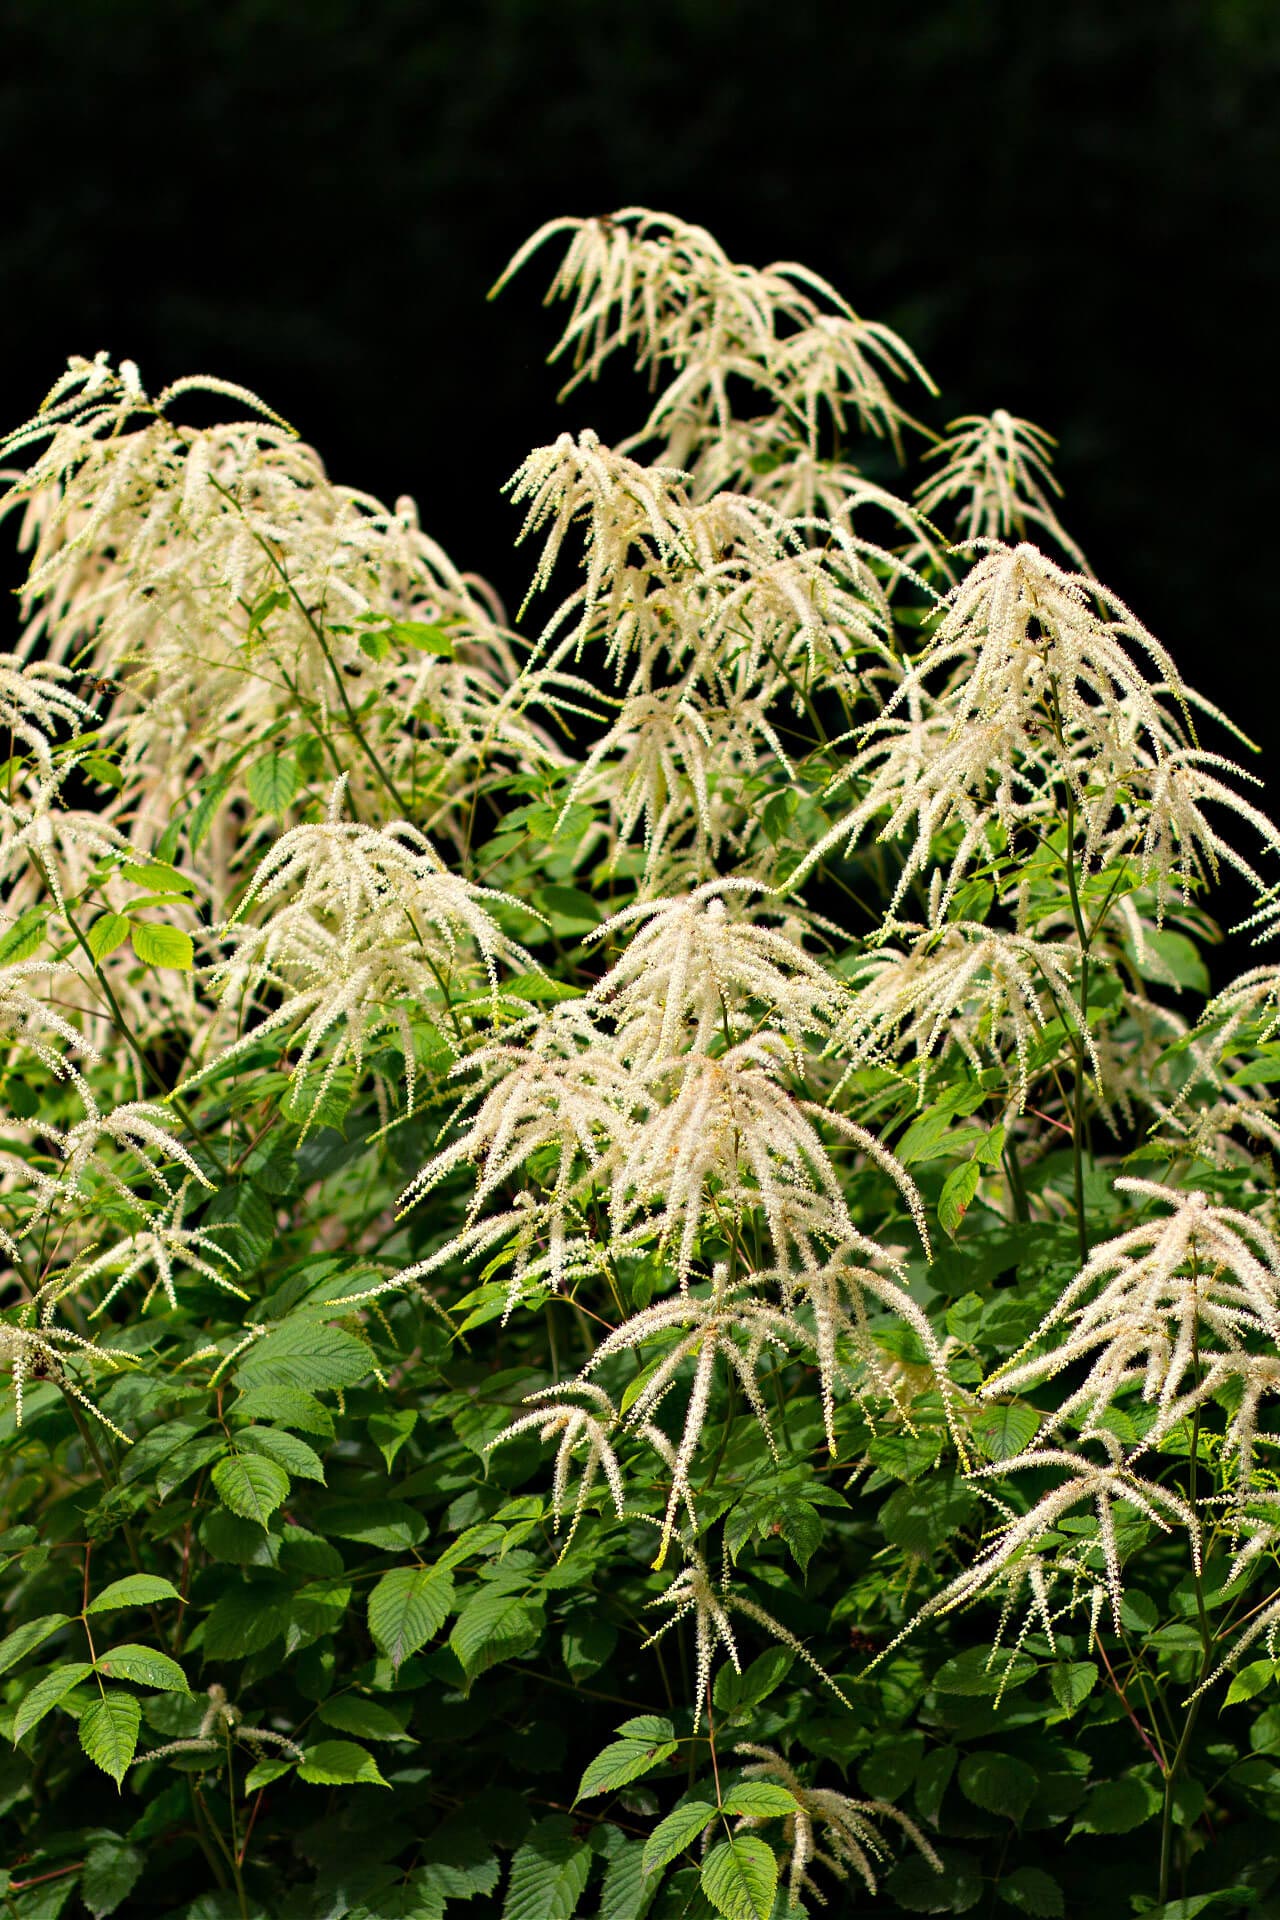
(1069, 207)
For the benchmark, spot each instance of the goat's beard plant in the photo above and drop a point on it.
(689, 1141)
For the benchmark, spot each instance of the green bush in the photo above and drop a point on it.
(643, 1234)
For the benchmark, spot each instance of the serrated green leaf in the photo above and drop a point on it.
(932, 1778)
(919, 1517)
(157, 945)
(1030, 1890)
(366, 1719)
(294, 1455)
(109, 1732)
(135, 1590)
(1003, 1431)
(250, 1485)
(628, 1891)
(393, 1525)
(422, 636)
(740, 1878)
(406, 1608)
(213, 792)
(273, 781)
(548, 1873)
(957, 1193)
(247, 1219)
(265, 1772)
(157, 876)
(761, 1799)
(246, 1618)
(569, 909)
(25, 1639)
(112, 1870)
(1072, 1682)
(109, 931)
(306, 1353)
(1249, 1681)
(979, 1670)
(916, 1886)
(672, 1835)
(287, 1407)
(494, 1627)
(647, 1741)
(45, 1695)
(1118, 1806)
(998, 1783)
(390, 1429)
(24, 937)
(145, 1665)
(340, 1763)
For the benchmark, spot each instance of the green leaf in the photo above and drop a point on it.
(406, 1608)
(157, 876)
(759, 1798)
(918, 1518)
(340, 1763)
(212, 791)
(1072, 1682)
(294, 1455)
(306, 1353)
(45, 1695)
(980, 1670)
(1170, 956)
(390, 1429)
(352, 1713)
(109, 931)
(157, 945)
(1032, 1891)
(135, 1590)
(251, 1218)
(24, 937)
(678, 1831)
(391, 1524)
(1196, 1903)
(891, 1765)
(916, 1886)
(647, 1741)
(265, 1772)
(423, 636)
(145, 1665)
(735, 1691)
(1118, 1806)
(740, 1878)
(271, 602)
(1249, 1681)
(932, 1779)
(250, 1486)
(958, 1190)
(1003, 1431)
(287, 1407)
(112, 1869)
(273, 781)
(245, 1619)
(25, 1639)
(998, 1783)
(548, 1873)
(628, 1891)
(109, 1732)
(493, 1627)
(569, 910)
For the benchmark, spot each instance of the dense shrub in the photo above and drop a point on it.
(642, 1268)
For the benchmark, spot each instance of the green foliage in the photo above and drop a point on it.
(635, 1235)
